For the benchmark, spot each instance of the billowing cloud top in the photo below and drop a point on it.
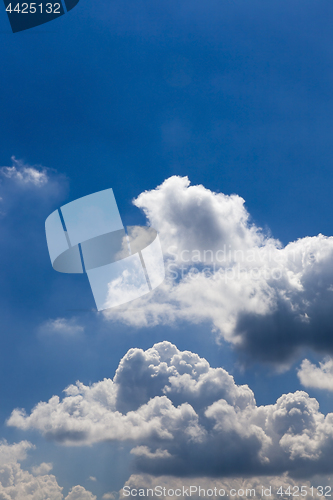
(185, 417)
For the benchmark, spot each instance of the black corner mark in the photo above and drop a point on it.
(70, 4)
(25, 15)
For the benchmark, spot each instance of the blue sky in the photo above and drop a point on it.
(236, 95)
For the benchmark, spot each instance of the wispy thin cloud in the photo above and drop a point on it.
(25, 174)
(61, 326)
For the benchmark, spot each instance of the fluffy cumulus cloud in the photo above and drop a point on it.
(80, 493)
(318, 377)
(186, 418)
(11, 453)
(269, 301)
(42, 469)
(19, 484)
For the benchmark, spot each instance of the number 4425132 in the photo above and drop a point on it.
(303, 491)
(32, 8)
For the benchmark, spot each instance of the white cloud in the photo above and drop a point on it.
(79, 493)
(29, 192)
(42, 469)
(25, 174)
(193, 217)
(18, 484)
(10, 453)
(267, 300)
(61, 326)
(186, 418)
(145, 451)
(110, 496)
(318, 377)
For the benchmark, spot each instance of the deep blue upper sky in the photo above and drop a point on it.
(235, 94)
